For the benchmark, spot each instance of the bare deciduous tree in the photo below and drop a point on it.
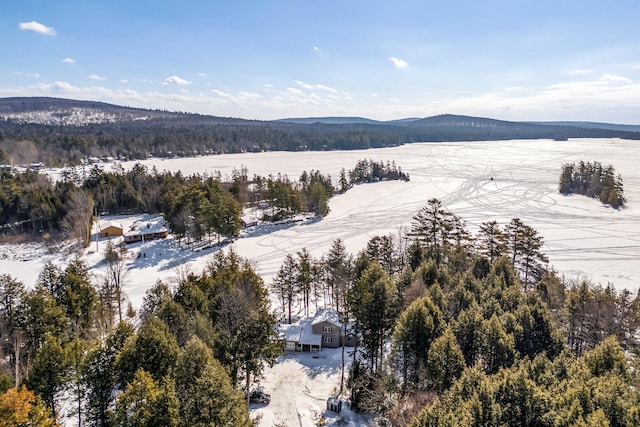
(79, 218)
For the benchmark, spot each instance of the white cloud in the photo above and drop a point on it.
(315, 86)
(96, 77)
(68, 60)
(124, 81)
(60, 87)
(346, 96)
(37, 27)
(599, 98)
(202, 74)
(221, 94)
(294, 91)
(398, 63)
(26, 74)
(175, 80)
(316, 49)
(614, 78)
(241, 97)
(327, 88)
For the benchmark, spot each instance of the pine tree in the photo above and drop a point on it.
(416, 328)
(531, 256)
(100, 377)
(338, 273)
(12, 321)
(48, 371)
(205, 392)
(491, 241)
(304, 277)
(565, 185)
(284, 284)
(431, 227)
(445, 361)
(374, 303)
(148, 403)
(344, 182)
(469, 333)
(247, 334)
(498, 347)
(153, 348)
(513, 233)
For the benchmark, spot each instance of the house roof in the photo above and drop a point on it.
(301, 333)
(290, 333)
(108, 224)
(249, 219)
(152, 225)
(307, 336)
(328, 315)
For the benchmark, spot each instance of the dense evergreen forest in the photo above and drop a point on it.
(195, 206)
(453, 329)
(593, 180)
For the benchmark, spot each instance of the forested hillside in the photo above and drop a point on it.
(57, 132)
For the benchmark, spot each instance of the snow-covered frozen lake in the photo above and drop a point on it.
(583, 238)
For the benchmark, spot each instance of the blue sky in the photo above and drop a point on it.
(512, 60)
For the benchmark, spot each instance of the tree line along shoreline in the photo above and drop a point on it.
(195, 206)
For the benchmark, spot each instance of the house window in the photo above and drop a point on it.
(327, 329)
(327, 340)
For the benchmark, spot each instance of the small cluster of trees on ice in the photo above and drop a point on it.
(593, 180)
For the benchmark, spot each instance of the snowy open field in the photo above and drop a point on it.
(583, 238)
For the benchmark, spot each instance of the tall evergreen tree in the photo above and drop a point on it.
(285, 286)
(338, 273)
(445, 361)
(416, 328)
(304, 276)
(247, 335)
(491, 240)
(153, 348)
(205, 392)
(148, 403)
(373, 301)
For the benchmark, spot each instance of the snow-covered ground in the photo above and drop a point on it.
(583, 238)
(299, 385)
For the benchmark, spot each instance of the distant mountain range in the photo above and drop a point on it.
(63, 127)
(68, 112)
(451, 119)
